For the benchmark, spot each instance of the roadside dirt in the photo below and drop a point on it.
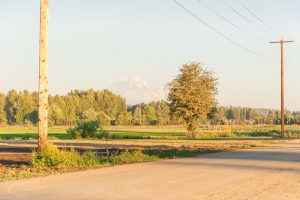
(17, 153)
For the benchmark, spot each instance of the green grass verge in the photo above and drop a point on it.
(30, 136)
(142, 135)
(177, 153)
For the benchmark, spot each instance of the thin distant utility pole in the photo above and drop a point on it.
(43, 76)
(282, 42)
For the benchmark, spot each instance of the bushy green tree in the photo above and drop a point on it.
(103, 118)
(88, 115)
(55, 116)
(137, 115)
(192, 95)
(151, 115)
(11, 106)
(3, 119)
(125, 118)
(24, 107)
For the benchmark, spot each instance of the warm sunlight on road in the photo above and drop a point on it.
(260, 173)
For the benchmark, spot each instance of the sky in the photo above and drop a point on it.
(95, 43)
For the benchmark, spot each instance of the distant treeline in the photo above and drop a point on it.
(20, 108)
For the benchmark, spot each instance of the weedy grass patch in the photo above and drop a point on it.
(176, 153)
(131, 157)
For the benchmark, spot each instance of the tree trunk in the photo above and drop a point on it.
(191, 134)
(191, 131)
(191, 127)
(43, 76)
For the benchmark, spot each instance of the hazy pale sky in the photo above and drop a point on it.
(94, 43)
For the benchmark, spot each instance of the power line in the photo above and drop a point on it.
(229, 22)
(297, 46)
(244, 18)
(291, 63)
(296, 73)
(294, 52)
(269, 27)
(221, 34)
(258, 18)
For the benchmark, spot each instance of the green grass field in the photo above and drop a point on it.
(168, 132)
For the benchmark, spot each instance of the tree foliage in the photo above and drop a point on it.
(192, 95)
(20, 108)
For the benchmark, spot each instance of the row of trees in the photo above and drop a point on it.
(20, 108)
(240, 115)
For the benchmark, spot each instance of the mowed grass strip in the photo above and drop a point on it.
(33, 136)
(60, 133)
(143, 133)
(26, 133)
(31, 130)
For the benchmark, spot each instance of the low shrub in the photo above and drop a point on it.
(84, 129)
(51, 156)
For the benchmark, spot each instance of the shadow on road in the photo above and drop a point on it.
(269, 158)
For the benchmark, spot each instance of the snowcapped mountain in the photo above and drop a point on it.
(135, 91)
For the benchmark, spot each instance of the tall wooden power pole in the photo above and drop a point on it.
(282, 42)
(43, 76)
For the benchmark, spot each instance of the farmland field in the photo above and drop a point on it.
(156, 132)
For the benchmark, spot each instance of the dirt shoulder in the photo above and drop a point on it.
(15, 155)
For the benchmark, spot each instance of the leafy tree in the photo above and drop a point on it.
(55, 116)
(151, 115)
(212, 116)
(3, 119)
(164, 117)
(125, 118)
(137, 115)
(24, 107)
(88, 115)
(162, 111)
(103, 118)
(192, 95)
(11, 106)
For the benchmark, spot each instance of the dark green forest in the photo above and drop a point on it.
(20, 108)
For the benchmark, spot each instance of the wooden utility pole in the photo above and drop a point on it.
(282, 42)
(43, 76)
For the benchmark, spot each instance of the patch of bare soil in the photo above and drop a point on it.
(14, 159)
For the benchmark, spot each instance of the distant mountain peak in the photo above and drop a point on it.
(136, 90)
